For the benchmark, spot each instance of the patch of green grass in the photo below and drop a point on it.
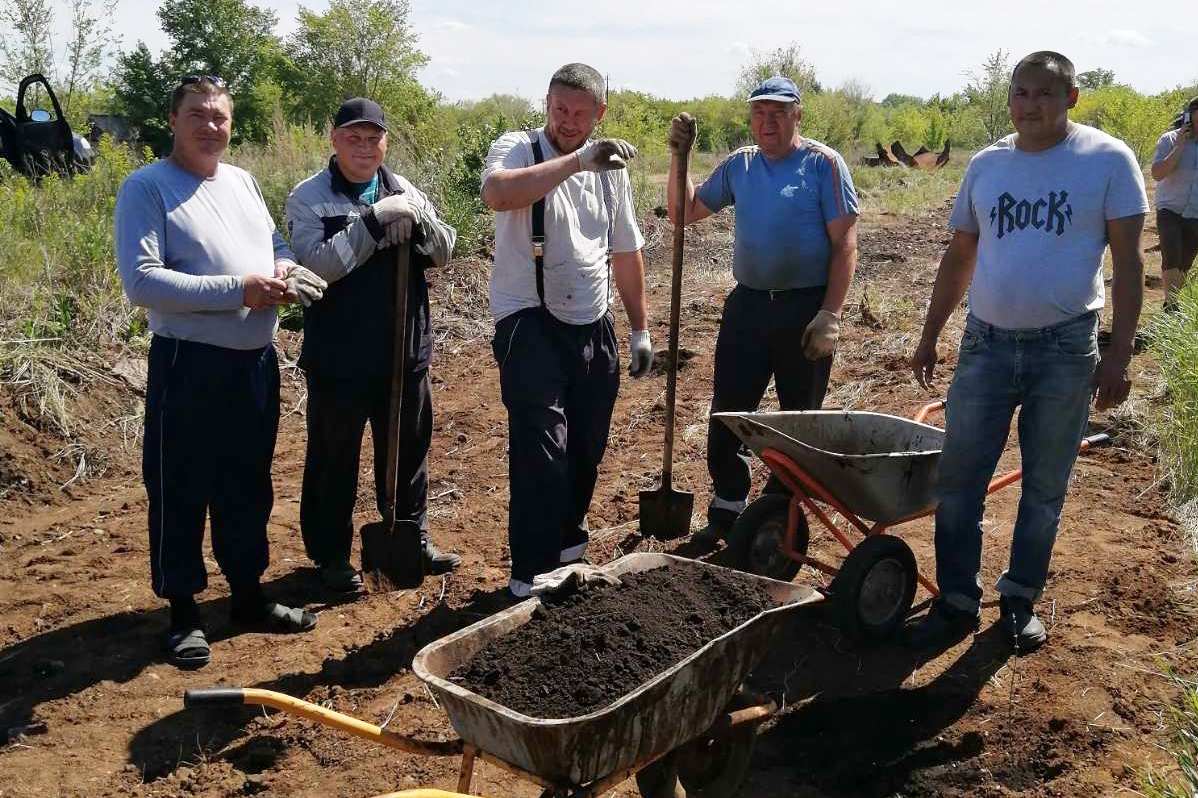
(1173, 341)
(901, 191)
(1182, 779)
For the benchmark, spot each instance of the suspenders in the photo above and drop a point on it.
(538, 222)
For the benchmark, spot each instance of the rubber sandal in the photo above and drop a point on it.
(188, 648)
(275, 617)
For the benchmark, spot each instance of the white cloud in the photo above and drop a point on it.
(449, 25)
(1120, 37)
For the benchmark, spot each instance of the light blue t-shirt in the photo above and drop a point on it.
(1041, 221)
(782, 209)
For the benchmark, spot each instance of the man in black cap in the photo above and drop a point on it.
(345, 223)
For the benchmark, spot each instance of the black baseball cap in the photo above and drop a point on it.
(359, 109)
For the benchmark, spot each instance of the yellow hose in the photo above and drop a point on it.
(425, 794)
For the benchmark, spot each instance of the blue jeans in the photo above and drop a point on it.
(1049, 373)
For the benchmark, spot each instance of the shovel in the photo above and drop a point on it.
(665, 513)
(392, 558)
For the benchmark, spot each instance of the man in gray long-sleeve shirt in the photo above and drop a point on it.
(197, 248)
(345, 222)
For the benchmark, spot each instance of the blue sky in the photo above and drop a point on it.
(685, 49)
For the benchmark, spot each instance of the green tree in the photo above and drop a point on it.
(786, 61)
(987, 92)
(143, 88)
(91, 44)
(29, 46)
(894, 100)
(356, 48)
(1094, 79)
(227, 38)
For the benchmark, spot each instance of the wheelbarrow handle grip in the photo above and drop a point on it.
(929, 409)
(254, 696)
(214, 697)
(1095, 440)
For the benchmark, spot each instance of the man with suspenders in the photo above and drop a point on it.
(565, 228)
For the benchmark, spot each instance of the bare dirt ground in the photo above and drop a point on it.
(80, 628)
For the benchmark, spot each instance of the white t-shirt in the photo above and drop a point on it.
(576, 230)
(1041, 220)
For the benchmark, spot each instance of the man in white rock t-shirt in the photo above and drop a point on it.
(1033, 218)
(565, 230)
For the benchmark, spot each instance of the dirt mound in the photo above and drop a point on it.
(583, 653)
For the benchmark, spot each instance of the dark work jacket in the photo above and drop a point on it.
(349, 333)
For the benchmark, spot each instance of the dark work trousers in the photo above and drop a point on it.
(559, 383)
(761, 336)
(338, 410)
(211, 419)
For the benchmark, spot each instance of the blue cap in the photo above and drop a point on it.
(778, 89)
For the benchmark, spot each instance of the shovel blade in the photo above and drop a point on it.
(392, 558)
(665, 513)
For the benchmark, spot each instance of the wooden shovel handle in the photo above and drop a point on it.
(403, 258)
(667, 465)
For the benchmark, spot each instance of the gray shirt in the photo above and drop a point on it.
(576, 238)
(183, 245)
(1178, 191)
(1041, 221)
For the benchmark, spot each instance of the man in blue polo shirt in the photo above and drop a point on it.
(794, 258)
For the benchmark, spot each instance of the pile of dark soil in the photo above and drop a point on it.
(585, 651)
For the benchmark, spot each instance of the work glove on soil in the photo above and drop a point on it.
(602, 155)
(683, 130)
(570, 579)
(640, 353)
(304, 285)
(398, 218)
(821, 335)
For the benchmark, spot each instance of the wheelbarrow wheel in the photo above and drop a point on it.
(660, 780)
(709, 767)
(755, 540)
(875, 587)
(715, 767)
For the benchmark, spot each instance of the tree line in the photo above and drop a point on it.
(368, 47)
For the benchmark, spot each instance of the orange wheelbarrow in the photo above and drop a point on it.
(872, 469)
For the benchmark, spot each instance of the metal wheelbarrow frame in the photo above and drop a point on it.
(688, 723)
(874, 587)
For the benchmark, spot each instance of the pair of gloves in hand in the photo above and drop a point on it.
(303, 285)
(398, 218)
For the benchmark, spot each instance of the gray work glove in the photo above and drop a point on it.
(602, 155)
(397, 216)
(570, 579)
(821, 335)
(304, 285)
(640, 353)
(683, 130)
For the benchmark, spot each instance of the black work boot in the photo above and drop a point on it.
(1020, 625)
(719, 524)
(339, 576)
(943, 626)
(436, 561)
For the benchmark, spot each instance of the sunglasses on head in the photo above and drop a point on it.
(216, 81)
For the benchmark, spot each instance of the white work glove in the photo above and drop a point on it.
(821, 335)
(683, 130)
(397, 216)
(602, 155)
(304, 285)
(570, 579)
(640, 353)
